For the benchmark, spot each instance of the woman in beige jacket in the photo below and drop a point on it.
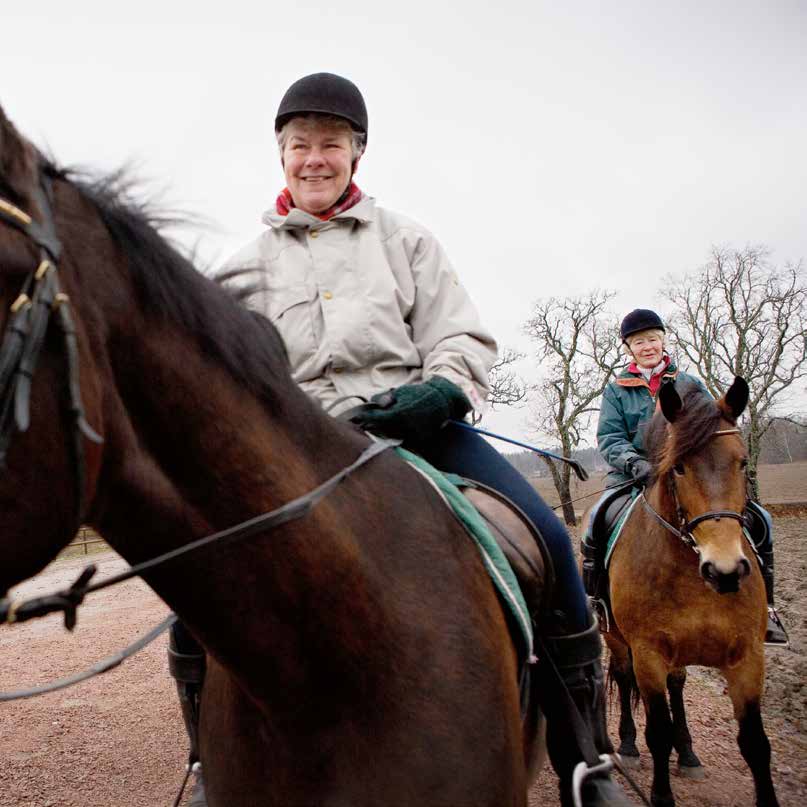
(370, 308)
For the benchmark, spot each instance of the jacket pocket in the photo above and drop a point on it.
(291, 311)
(281, 301)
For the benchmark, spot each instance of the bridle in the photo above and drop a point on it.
(30, 314)
(687, 525)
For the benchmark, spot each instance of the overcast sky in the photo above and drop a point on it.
(552, 148)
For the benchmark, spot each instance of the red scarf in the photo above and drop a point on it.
(350, 197)
(655, 380)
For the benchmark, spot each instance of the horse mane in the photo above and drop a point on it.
(670, 443)
(170, 288)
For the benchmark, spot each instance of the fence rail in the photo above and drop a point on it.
(85, 537)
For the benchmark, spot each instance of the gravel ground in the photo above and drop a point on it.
(117, 740)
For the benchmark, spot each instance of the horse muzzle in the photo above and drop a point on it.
(725, 581)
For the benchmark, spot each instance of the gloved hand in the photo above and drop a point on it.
(415, 412)
(640, 470)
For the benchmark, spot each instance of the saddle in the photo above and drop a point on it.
(522, 544)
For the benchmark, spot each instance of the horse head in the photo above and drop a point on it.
(47, 394)
(700, 460)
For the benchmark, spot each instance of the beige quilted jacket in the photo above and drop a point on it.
(365, 301)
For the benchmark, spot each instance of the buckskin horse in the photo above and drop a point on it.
(358, 655)
(685, 587)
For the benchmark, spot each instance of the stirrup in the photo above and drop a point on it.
(583, 771)
(775, 633)
(600, 610)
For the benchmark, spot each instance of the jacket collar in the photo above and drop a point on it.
(363, 212)
(631, 376)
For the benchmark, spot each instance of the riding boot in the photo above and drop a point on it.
(593, 574)
(186, 663)
(775, 633)
(577, 734)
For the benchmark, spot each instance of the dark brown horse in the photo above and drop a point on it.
(356, 656)
(686, 589)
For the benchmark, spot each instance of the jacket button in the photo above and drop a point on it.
(327, 295)
(314, 233)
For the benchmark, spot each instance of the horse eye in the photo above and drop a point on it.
(679, 468)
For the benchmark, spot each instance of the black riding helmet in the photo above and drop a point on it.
(328, 94)
(640, 319)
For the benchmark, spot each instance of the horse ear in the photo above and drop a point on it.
(735, 400)
(670, 401)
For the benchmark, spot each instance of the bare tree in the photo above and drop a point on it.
(506, 386)
(577, 344)
(741, 316)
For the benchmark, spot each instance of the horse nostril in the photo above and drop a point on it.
(709, 571)
(743, 568)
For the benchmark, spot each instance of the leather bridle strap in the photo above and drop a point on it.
(40, 297)
(685, 532)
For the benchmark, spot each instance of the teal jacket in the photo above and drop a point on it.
(627, 406)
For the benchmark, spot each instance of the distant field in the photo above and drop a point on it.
(779, 484)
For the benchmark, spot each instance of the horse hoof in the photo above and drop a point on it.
(662, 801)
(696, 773)
(630, 761)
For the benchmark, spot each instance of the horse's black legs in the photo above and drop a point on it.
(688, 763)
(659, 737)
(746, 682)
(756, 751)
(622, 673)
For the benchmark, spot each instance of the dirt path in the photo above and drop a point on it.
(117, 740)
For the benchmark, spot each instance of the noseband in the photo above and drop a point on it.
(30, 314)
(684, 530)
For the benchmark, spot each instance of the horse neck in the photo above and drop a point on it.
(190, 451)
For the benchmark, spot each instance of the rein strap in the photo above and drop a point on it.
(68, 600)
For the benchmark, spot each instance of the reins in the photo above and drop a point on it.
(687, 525)
(68, 600)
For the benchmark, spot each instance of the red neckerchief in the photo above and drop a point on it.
(350, 197)
(655, 380)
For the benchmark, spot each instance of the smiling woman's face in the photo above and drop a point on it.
(647, 347)
(317, 162)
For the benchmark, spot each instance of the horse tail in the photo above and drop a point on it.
(628, 677)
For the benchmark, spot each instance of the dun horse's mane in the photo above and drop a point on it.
(699, 418)
(169, 287)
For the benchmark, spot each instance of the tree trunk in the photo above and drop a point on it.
(561, 480)
(754, 442)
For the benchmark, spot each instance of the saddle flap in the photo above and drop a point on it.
(521, 544)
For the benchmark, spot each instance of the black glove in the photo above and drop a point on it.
(415, 412)
(640, 470)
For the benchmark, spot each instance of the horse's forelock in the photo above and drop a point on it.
(698, 420)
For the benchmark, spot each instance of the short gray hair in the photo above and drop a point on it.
(358, 140)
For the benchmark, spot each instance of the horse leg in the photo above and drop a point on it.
(621, 671)
(651, 676)
(689, 766)
(745, 683)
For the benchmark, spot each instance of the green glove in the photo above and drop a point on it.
(415, 412)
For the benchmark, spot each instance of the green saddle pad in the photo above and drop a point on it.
(617, 530)
(495, 562)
